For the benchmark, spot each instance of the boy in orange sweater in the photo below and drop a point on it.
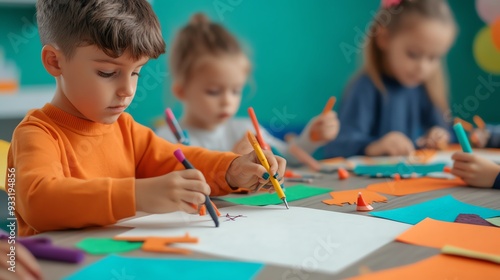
(81, 161)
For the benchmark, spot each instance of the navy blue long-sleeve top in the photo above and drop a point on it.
(367, 114)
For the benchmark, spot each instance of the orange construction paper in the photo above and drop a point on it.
(439, 267)
(411, 186)
(334, 160)
(161, 244)
(351, 197)
(437, 234)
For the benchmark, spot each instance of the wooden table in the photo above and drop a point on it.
(391, 255)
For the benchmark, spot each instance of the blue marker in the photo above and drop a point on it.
(462, 138)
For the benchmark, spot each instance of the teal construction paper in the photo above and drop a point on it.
(119, 267)
(445, 208)
(403, 169)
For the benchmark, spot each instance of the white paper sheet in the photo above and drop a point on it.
(301, 238)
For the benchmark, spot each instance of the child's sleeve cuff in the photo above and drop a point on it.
(496, 184)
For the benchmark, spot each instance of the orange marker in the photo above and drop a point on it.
(255, 123)
(479, 122)
(328, 107)
(467, 125)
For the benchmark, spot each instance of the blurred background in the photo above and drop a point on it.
(302, 53)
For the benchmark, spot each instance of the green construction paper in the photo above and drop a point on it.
(403, 169)
(133, 268)
(292, 193)
(495, 221)
(102, 246)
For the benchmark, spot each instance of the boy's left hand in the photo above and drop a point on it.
(436, 138)
(474, 170)
(247, 172)
(324, 127)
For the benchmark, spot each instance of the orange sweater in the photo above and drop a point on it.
(73, 173)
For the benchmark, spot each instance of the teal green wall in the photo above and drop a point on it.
(294, 46)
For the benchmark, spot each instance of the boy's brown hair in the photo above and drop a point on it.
(198, 38)
(114, 26)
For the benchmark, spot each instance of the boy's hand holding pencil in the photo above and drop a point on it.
(247, 172)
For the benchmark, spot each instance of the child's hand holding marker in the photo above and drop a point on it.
(180, 190)
(325, 127)
(475, 170)
(174, 191)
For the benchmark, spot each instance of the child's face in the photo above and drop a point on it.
(96, 87)
(413, 55)
(212, 94)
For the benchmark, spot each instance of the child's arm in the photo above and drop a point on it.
(476, 171)
(49, 198)
(155, 157)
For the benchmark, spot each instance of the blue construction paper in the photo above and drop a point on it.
(403, 169)
(445, 208)
(119, 267)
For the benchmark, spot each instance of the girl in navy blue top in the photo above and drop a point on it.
(398, 100)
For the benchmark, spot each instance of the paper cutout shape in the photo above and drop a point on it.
(472, 219)
(401, 168)
(118, 267)
(486, 54)
(293, 193)
(4, 150)
(445, 208)
(286, 237)
(351, 196)
(162, 244)
(438, 267)
(342, 173)
(457, 251)
(494, 221)
(437, 234)
(488, 10)
(411, 186)
(361, 205)
(102, 246)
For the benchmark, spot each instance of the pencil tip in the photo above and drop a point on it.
(286, 203)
